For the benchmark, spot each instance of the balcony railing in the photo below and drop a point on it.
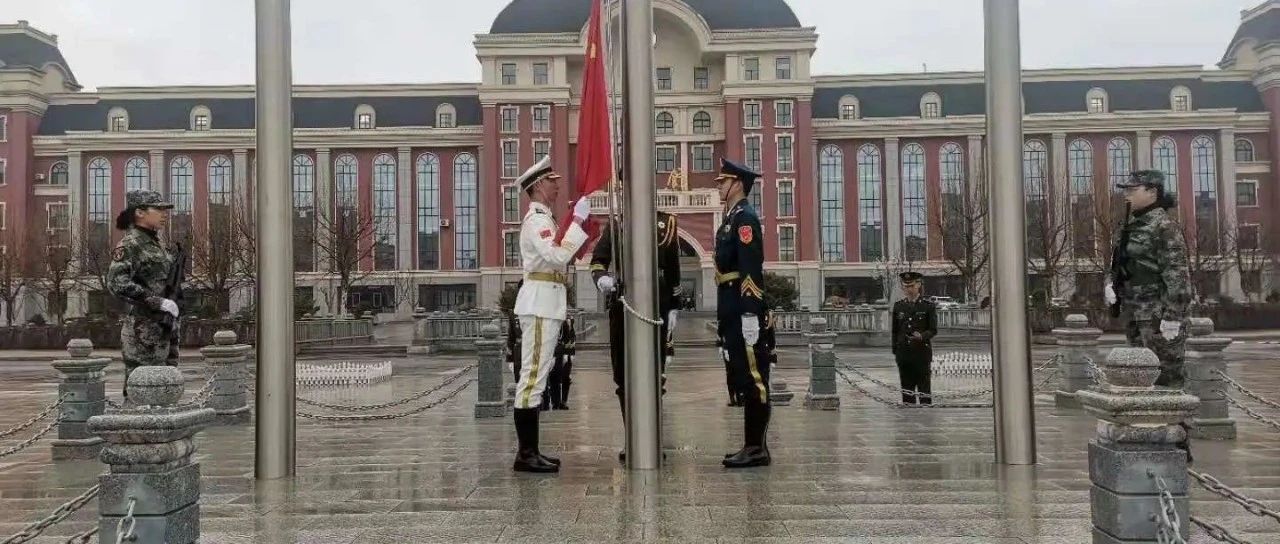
(694, 201)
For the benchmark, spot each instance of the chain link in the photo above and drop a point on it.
(385, 405)
(202, 396)
(896, 404)
(1247, 392)
(1213, 485)
(626, 304)
(1168, 523)
(62, 512)
(1046, 381)
(47, 410)
(126, 535)
(376, 417)
(1217, 532)
(114, 405)
(1095, 371)
(1264, 419)
(28, 442)
(963, 394)
(84, 537)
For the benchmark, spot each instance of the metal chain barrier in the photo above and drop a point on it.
(205, 393)
(963, 394)
(385, 405)
(896, 404)
(124, 534)
(113, 404)
(377, 417)
(1254, 506)
(1264, 419)
(62, 512)
(1168, 524)
(43, 414)
(1095, 371)
(1217, 532)
(84, 538)
(1236, 385)
(627, 304)
(28, 442)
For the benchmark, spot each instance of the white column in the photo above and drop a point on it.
(1064, 280)
(404, 214)
(157, 172)
(324, 201)
(240, 175)
(76, 300)
(1227, 224)
(684, 161)
(892, 199)
(1143, 153)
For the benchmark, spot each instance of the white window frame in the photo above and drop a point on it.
(502, 119)
(48, 216)
(515, 233)
(502, 151)
(534, 149)
(849, 100)
(198, 112)
(791, 161)
(1253, 150)
(4, 172)
(533, 112)
(711, 151)
(122, 114)
(745, 72)
(66, 170)
(547, 76)
(1180, 91)
(515, 73)
(931, 99)
(706, 82)
(4, 128)
(792, 105)
(361, 111)
(778, 197)
(675, 158)
(795, 253)
(1257, 235)
(693, 120)
(4, 216)
(1252, 182)
(670, 79)
(446, 109)
(746, 161)
(514, 192)
(660, 131)
(791, 72)
(1097, 93)
(759, 114)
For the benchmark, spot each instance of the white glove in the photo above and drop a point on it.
(1109, 293)
(606, 284)
(671, 321)
(169, 306)
(1170, 329)
(582, 209)
(750, 329)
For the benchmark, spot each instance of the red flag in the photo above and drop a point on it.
(594, 161)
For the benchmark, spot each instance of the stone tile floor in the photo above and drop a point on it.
(864, 474)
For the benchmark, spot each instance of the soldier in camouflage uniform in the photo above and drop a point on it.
(1149, 276)
(140, 266)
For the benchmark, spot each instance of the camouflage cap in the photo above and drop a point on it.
(1143, 178)
(143, 198)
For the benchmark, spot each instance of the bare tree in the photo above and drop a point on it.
(222, 260)
(348, 241)
(963, 218)
(52, 273)
(406, 289)
(1049, 242)
(15, 271)
(93, 250)
(1243, 249)
(887, 271)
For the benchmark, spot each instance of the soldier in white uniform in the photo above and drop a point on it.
(541, 305)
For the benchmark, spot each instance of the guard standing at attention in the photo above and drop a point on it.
(542, 303)
(739, 262)
(140, 268)
(915, 323)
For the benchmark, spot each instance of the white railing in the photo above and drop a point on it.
(872, 319)
(668, 201)
(345, 373)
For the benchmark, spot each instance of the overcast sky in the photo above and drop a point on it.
(177, 42)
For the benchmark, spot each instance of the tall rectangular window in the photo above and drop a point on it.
(702, 158)
(701, 78)
(510, 204)
(1204, 178)
(541, 148)
(1246, 193)
(870, 204)
(542, 119)
(782, 114)
(664, 79)
(752, 154)
(59, 218)
(511, 249)
(751, 68)
(4, 128)
(428, 174)
(751, 115)
(510, 159)
(1164, 157)
(510, 119)
(786, 154)
(4, 167)
(384, 212)
(786, 198)
(914, 203)
(509, 73)
(782, 68)
(666, 158)
(786, 242)
(466, 198)
(541, 73)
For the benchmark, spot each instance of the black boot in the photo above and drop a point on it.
(527, 457)
(755, 423)
(564, 390)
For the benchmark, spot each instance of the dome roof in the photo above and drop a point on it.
(555, 16)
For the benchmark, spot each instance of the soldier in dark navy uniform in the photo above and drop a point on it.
(740, 310)
(915, 323)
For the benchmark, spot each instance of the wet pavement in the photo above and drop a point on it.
(865, 474)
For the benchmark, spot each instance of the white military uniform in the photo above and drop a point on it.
(542, 303)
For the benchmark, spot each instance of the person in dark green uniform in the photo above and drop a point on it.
(740, 310)
(915, 323)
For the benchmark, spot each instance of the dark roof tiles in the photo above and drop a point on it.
(555, 16)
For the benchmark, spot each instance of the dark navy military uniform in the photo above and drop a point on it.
(556, 396)
(914, 356)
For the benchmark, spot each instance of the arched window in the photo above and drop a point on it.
(930, 106)
(384, 212)
(181, 189)
(1180, 99)
(304, 205)
(220, 200)
(831, 209)
(117, 120)
(446, 116)
(137, 174)
(850, 108)
(466, 196)
(1204, 181)
(1244, 150)
(702, 123)
(665, 124)
(870, 204)
(98, 201)
(1096, 101)
(1080, 173)
(58, 174)
(427, 171)
(914, 204)
(345, 178)
(956, 229)
(201, 119)
(1035, 165)
(1119, 161)
(1164, 157)
(365, 118)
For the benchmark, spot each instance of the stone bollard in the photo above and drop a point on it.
(822, 394)
(84, 395)
(780, 393)
(419, 345)
(1136, 442)
(226, 360)
(1077, 345)
(1204, 360)
(150, 451)
(489, 391)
